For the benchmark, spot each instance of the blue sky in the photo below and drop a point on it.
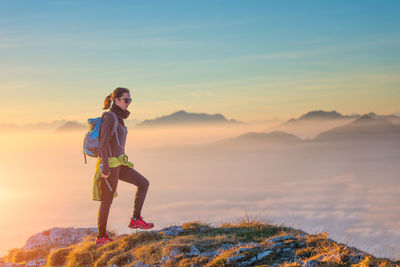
(248, 60)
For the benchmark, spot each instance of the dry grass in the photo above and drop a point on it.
(58, 257)
(22, 256)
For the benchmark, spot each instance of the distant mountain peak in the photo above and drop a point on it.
(180, 112)
(71, 126)
(371, 119)
(321, 114)
(366, 126)
(365, 118)
(182, 117)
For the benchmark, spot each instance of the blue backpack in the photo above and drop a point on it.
(91, 142)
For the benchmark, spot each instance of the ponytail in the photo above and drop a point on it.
(107, 101)
(115, 94)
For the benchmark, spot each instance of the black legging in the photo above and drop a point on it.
(129, 175)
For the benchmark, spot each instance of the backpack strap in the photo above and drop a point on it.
(115, 125)
(115, 131)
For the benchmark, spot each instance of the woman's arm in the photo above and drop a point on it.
(107, 125)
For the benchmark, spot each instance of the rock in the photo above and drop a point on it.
(36, 263)
(355, 259)
(209, 254)
(301, 244)
(172, 231)
(263, 254)
(195, 249)
(259, 256)
(58, 237)
(235, 258)
(311, 263)
(193, 252)
(241, 250)
(277, 244)
(165, 259)
(174, 252)
(141, 264)
(286, 249)
(224, 247)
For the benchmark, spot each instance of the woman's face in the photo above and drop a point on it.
(122, 101)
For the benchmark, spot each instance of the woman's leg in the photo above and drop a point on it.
(106, 200)
(130, 175)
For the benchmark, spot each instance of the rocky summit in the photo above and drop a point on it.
(244, 243)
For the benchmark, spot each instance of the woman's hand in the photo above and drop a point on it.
(105, 176)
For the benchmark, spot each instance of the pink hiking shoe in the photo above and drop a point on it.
(103, 240)
(140, 223)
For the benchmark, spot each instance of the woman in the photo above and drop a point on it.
(109, 144)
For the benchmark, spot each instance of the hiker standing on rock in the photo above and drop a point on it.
(115, 166)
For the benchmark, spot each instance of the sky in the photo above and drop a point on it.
(247, 60)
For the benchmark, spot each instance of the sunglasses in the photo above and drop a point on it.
(127, 100)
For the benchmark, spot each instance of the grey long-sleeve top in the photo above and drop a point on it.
(108, 140)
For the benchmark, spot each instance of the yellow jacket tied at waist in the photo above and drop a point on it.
(113, 162)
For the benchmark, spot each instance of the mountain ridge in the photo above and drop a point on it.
(247, 242)
(182, 117)
(320, 114)
(67, 125)
(365, 126)
(317, 115)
